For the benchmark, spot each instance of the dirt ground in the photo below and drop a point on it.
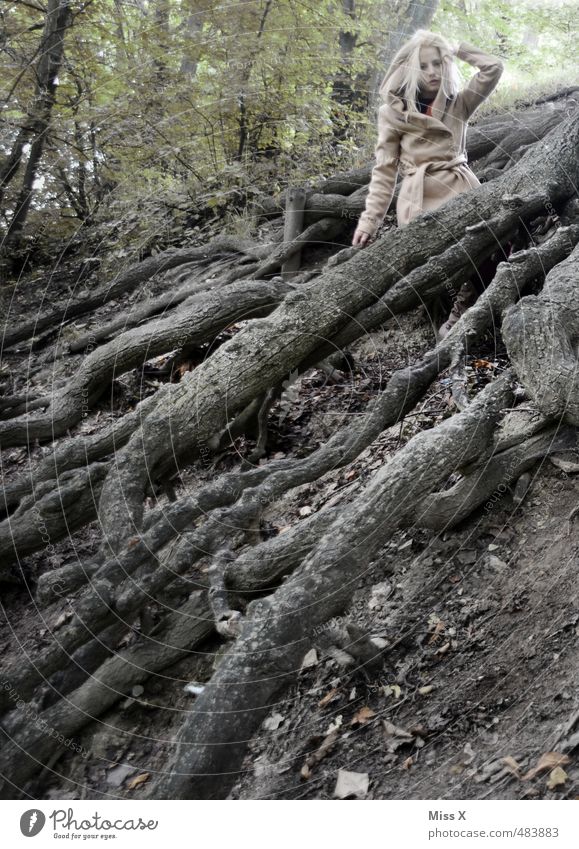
(477, 628)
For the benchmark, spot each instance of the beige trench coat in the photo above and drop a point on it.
(429, 151)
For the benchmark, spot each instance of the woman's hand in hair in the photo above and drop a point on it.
(361, 238)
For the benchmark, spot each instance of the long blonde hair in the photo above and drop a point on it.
(403, 76)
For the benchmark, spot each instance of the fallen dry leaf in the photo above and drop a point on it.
(328, 697)
(392, 690)
(363, 716)
(437, 627)
(557, 777)
(310, 659)
(326, 746)
(273, 722)
(425, 691)
(548, 760)
(395, 736)
(138, 780)
(408, 762)
(351, 784)
(511, 766)
(468, 754)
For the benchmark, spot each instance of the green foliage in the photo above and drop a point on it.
(167, 109)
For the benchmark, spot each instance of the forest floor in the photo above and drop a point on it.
(479, 625)
(474, 689)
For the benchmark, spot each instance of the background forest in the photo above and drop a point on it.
(152, 118)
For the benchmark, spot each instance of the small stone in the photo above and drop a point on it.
(118, 774)
(310, 659)
(467, 556)
(496, 563)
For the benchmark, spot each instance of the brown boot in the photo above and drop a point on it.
(467, 295)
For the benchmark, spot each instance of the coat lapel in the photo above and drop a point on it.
(417, 120)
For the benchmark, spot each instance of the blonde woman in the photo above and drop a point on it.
(422, 127)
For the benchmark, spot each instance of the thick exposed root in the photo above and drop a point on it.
(126, 282)
(277, 631)
(198, 321)
(487, 483)
(193, 543)
(541, 335)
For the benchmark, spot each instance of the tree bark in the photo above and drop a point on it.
(58, 19)
(271, 348)
(541, 334)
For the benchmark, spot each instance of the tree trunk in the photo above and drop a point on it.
(411, 16)
(58, 19)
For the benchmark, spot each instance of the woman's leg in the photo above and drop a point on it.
(475, 286)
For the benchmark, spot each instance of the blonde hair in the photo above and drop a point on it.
(403, 76)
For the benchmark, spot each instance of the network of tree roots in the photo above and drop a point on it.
(215, 468)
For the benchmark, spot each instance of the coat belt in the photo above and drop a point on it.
(418, 173)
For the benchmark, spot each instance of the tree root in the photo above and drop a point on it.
(276, 345)
(37, 741)
(198, 321)
(526, 134)
(126, 282)
(68, 505)
(490, 480)
(77, 452)
(541, 337)
(147, 309)
(277, 631)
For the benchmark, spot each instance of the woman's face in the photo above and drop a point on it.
(430, 70)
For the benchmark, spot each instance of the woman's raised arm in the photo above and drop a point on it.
(482, 83)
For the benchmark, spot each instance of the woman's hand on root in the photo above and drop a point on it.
(361, 238)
